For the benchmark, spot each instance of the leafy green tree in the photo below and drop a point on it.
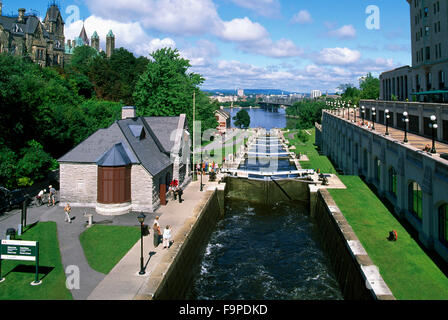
(370, 88)
(242, 119)
(8, 166)
(34, 164)
(81, 58)
(166, 89)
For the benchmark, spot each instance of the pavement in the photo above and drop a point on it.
(124, 282)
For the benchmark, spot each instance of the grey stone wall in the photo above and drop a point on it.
(78, 184)
(356, 151)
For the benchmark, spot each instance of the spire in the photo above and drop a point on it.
(110, 34)
(95, 35)
(83, 36)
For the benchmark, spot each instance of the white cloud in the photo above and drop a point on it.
(129, 35)
(181, 17)
(302, 17)
(344, 32)
(201, 54)
(241, 30)
(282, 48)
(337, 56)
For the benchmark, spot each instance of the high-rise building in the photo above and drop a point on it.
(426, 79)
(240, 93)
(315, 94)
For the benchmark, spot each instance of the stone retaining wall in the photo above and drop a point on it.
(358, 277)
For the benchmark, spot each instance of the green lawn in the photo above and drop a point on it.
(19, 274)
(316, 161)
(104, 246)
(407, 270)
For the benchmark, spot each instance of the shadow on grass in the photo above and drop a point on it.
(432, 254)
(21, 268)
(30, 226)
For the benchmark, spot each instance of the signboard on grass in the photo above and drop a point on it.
(20, 250)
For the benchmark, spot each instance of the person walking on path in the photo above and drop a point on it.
(51, 196)
(67, 210)
(166, 237)
(157, 232)
(179, 194)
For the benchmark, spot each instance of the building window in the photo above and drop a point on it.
(427, 30)
(377, 169)
(393, 181)
(443, 224)
(426, 11)
(428, 81)
(441, 79)
(415, 200)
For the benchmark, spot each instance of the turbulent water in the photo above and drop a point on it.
(266, 253)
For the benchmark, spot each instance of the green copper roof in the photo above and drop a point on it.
(111, 34)
(95, 35)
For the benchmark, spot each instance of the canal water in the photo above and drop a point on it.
(261, 118)
(259, 252)
(264, 252)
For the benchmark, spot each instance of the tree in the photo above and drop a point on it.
(242, 119)
(166, 89)
(370, 88)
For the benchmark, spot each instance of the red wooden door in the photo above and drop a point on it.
(162, 194)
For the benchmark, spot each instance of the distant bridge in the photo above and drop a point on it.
(278, 101)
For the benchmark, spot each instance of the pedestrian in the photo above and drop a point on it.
(67, 210)
(166, 237)
(157, 232)
(51, 196)
(179, 194)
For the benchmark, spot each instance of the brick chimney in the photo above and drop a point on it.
(21, 18)
(128, 112)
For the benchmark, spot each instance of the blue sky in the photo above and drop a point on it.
(293, 45)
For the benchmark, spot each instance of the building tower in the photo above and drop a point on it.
(83, 36)
(110, 44)
(95, 41)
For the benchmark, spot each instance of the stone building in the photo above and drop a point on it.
(26, 35)
(426, 80)
(223, 118)
(44, 41)
(127, 166)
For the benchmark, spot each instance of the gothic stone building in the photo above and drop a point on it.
(127, 166)
(26, 35)
(44, 41)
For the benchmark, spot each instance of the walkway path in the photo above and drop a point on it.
(123, 281)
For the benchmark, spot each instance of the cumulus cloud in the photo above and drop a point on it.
(241, 30)
(344, 32)
(129, 35)
(302, 17)
(181, 17)
(337, 56)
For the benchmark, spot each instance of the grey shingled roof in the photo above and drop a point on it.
(91, 149)
(149, 152)
(29, 27)
(162, 128)
(117, 156)
(153, 152)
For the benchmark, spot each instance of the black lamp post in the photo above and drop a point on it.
(354, 111)
(406, 121)
(363, 113)
(387, 121)
(433, 125)
(348, 116)
(373, 118)
(141, 219)
(202, 171)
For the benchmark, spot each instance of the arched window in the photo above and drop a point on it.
(443, 224)
(393, 181)
(378, 169)
(415, 199)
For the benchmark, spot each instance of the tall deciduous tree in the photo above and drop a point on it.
(242, 119)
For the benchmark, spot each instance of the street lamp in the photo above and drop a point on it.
(363, 113)
(433, 125)
(348, 116)
(406, 122)
(387, 121)
(354, 111)
(373, 118)
(141, 219)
